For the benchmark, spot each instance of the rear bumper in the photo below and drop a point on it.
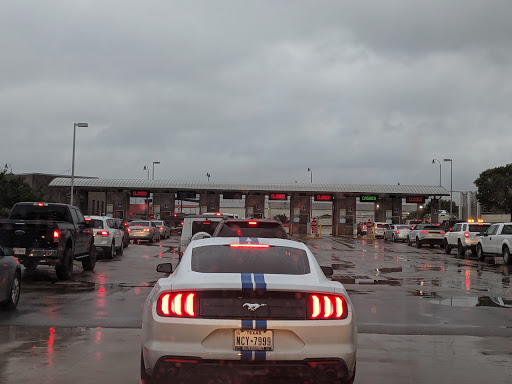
(141, 236)
(198, 370)
(210, 343)
(432, 240)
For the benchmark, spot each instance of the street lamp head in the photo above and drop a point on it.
(447, 159)
(82, 125)
(309, 169)
(145, 168)
(156, 162)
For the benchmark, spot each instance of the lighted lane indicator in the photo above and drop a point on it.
(277, 196)
(139, 193)
(415, 199)
(366, 198)
(324, 197)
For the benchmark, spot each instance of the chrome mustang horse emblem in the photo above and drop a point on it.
(253, 307)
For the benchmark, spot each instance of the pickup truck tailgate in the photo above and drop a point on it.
(28, 234)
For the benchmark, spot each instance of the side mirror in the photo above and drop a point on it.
(164, 268)
(328, 271)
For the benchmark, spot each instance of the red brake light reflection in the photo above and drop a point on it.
(237, 245)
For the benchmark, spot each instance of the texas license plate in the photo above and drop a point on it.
(253, 340)
(19, 251)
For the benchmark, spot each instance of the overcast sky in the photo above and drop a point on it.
(258, 91)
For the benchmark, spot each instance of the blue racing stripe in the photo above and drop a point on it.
(259, 280)
(247, 324)
(246, 355)
(246, 281)
(261, 324)
(260, 355)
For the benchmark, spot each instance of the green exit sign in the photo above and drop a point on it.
(368, 198)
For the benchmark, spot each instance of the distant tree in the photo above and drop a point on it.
(13, 190)
(443, 204)
(495, 188)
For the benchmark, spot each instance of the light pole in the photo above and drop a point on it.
(311, 200)
(433, 162)
(80, 125)
(146, 168)
(451, 184)
(154, 162)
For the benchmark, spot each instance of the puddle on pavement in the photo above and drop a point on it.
(482, 301)
(342, 266)
(388, 270)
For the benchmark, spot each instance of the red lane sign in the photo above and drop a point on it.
(277, 196)
(139, 193)
(415, 199)
(324, 197)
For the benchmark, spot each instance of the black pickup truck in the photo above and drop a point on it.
(51, 234)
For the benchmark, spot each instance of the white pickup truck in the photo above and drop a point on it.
(464, 236)
(497, 240)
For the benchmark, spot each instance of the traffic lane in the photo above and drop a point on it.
(400, 289)
(53, 355)
(110, 296)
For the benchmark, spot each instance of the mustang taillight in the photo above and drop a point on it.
(329, 307)
(177, 304)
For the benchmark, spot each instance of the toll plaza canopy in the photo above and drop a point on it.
(387, 199)
(97, 184)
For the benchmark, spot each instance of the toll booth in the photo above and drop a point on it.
(300, 210)
(255, 206)
(344, 216)
(163, 205)
(209, 202)
(434, 209)
(389, 210)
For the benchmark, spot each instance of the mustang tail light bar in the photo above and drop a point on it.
(177, 304)
(327, 307)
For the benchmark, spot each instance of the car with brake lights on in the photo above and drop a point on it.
(250, 228)
(10, 279)
(165, 231)
(108, 238)
(144, 230)
(397, 232)
(125, 228)
(464, 236)
(379, 229)
(237, 308)
(431, 234)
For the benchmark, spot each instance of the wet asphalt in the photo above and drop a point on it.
(423, 316)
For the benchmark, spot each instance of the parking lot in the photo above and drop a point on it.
(421, 314)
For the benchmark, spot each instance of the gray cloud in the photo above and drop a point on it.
(362, 92)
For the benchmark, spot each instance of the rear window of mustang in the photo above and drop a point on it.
(272, 260)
